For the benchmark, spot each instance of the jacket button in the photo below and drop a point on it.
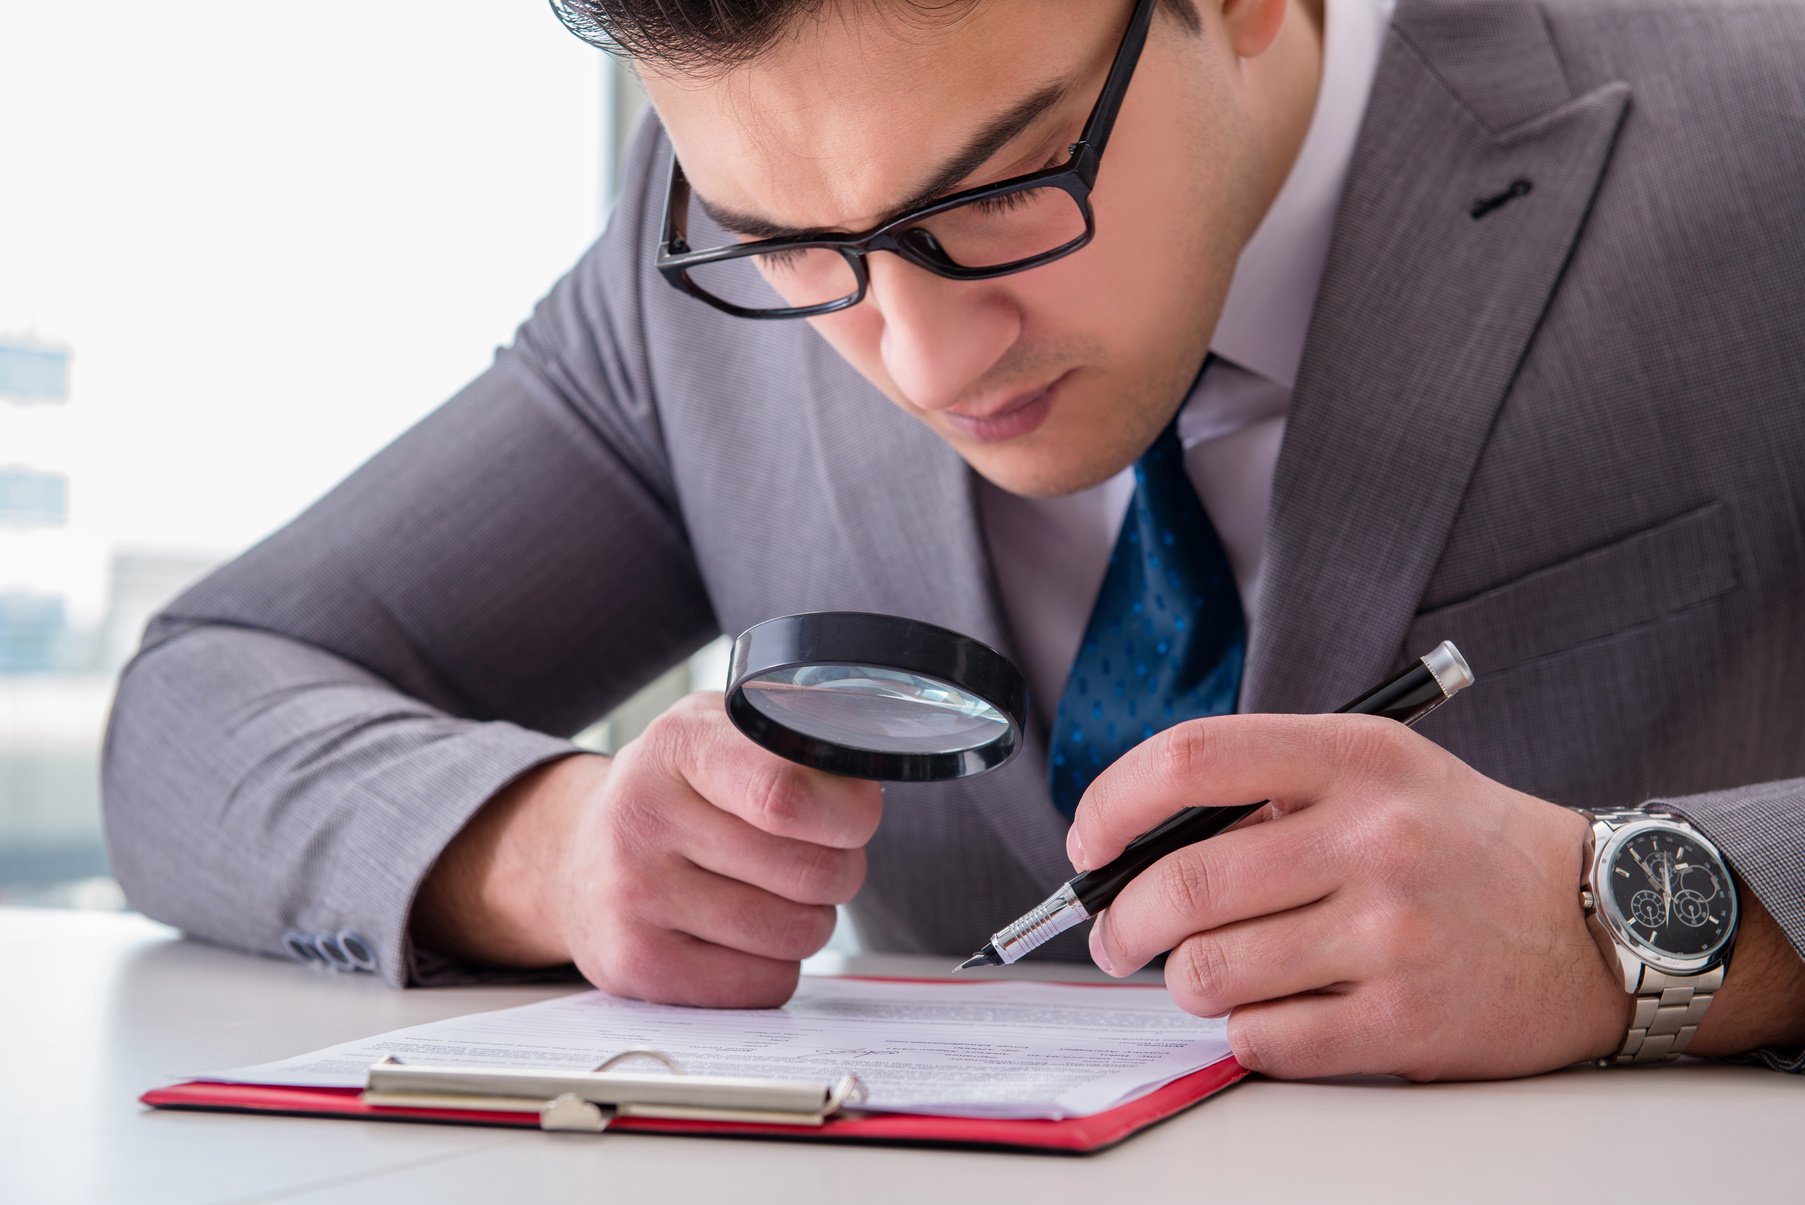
(300, 947)
(357, 949)
(331, 951)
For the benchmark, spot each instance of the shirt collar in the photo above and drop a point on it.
(1267, 311)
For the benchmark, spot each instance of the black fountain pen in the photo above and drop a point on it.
(1407, 698)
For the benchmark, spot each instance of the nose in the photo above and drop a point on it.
(939, 336)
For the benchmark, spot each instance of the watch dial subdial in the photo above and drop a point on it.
(1647, 908)
(1691, 908)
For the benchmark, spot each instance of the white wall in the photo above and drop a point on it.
(275, 234)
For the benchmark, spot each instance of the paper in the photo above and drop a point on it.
(1000, 1049)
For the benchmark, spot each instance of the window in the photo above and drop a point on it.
(296, 237)
(30, 498)
(33, 373)
(33, 632)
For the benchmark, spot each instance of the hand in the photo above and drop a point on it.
(692, 868)
(1392, 911)
(705, 868)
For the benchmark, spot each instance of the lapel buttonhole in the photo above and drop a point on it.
(1519, 187)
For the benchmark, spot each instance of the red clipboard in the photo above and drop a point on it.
(1073, 1135)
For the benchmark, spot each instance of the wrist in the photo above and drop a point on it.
(1671, 913)
(1762, 1002)
(496, 895)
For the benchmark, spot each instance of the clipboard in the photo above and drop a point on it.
(607, 1100)
(832, 1120)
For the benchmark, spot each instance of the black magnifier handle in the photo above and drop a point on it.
(1407, 698)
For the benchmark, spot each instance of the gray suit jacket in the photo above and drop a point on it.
(1569, 435)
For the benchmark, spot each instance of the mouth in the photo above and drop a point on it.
(1014, 417)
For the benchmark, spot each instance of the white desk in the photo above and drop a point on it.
(95, 1009)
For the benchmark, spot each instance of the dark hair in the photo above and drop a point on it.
(700, 36)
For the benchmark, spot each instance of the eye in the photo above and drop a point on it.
(780, 261)
(1003, 202)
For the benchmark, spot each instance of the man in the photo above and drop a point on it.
(1515, 283)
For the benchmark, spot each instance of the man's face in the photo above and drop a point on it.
(1045, 381)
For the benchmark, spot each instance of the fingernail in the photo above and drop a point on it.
(1099, 954)
(1074, 849)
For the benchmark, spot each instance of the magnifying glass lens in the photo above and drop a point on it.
(875, 696)
(875, 709)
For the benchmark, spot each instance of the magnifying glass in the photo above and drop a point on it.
(876, 696)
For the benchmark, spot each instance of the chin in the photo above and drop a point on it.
(1044, 472)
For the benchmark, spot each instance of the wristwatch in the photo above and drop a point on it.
(1660, 899)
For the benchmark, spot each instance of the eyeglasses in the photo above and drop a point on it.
(980, 233)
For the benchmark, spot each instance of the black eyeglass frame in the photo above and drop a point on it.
(1075, 177)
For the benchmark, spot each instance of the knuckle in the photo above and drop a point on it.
(1250, 1039)
(1274, 1040)
(630, 963)
(774, 800)
(1366, 741)
(1404, 838)
(818, 875)
(666, 736)
(1187, 884)
(1389, 838)
(1184, 751)
(802, 931)
(636, 825)
(1398, 1011)
(863, 810)
(821, 929)
(769, 986)
(1405, 942)
(1387, 1012)
(812, 874)
(674, 737)
(1204, 976)
(836, 876)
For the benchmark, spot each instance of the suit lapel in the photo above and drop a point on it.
(1423, 316)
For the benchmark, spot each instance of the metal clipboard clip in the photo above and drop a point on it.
(589, 1101)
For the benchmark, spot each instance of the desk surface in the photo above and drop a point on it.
(96, 1009)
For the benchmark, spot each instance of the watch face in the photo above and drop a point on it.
(1671, 893)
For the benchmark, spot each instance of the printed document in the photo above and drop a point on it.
(1007, 1048)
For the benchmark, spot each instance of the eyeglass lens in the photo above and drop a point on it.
(986, 232)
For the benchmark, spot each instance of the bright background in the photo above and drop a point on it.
(242, 247)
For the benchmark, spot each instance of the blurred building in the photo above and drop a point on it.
(37, 543)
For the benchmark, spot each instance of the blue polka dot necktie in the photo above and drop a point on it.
(1166, 636)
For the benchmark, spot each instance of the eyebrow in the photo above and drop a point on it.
(976, 152)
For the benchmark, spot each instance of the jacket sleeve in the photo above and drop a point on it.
(1761, 833)
(302, 733)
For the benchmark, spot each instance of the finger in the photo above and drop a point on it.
(1309, 1036)
(795, 870)
(1266, 959)
(667, 967)
(1235, 876)
(739, 916)
(1223, 761)
(771, 793)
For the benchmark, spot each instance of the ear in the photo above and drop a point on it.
(1253, 24)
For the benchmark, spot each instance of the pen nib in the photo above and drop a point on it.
(987, 957)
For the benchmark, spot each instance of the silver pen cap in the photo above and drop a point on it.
(1450, 669)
